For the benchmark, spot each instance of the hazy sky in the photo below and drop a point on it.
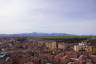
(59, 16)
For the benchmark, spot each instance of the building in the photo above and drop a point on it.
(62, 45)
(51, 45)
(77, 47)
(91, 49)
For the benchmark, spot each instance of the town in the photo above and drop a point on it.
(27, 50)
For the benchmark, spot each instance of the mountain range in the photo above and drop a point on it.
(36, 34)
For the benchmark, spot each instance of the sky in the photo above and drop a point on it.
(48, 16)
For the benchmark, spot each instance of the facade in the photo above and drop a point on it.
(88, 48)
(91, 49)
(77, 48)
(62, 45)
(51, 45)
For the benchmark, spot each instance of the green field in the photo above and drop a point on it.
(65, 37)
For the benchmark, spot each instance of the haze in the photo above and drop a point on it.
(59, 16)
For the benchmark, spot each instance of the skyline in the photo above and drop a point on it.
(48, 16)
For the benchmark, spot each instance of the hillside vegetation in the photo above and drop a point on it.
(94, 37)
